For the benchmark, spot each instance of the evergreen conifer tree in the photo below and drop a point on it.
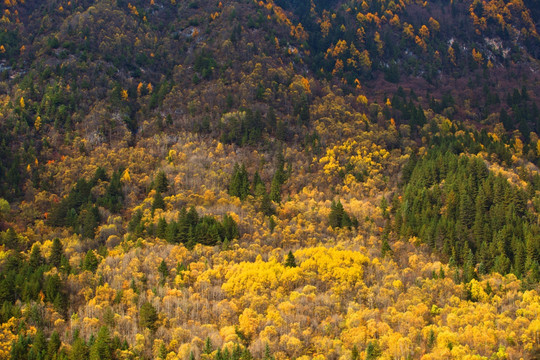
(101, 348)
(158, 202)
(35, 260)
(90, 262)
(291, 261)
(161, 184)
(56, 253)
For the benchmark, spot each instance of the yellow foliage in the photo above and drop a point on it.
(421, 43)
(452, 55)
(305, 83)
(424, 32)
(379, 43)
(395, 22)
(8, 334)
(299, 33)
(434, 25)
(339, 49)
(249, 322)
(338, 67)
(477, 56)
(408, 30)
(352, 154)
(126, 177)
(477, 291)
(518, 146)
(133, 9)
(325, 27)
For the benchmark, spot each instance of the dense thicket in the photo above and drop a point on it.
(79, 209)
(191, 229)
(477, 219)
(269, 179)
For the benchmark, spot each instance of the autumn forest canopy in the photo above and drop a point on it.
(273, 179)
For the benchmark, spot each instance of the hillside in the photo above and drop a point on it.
(269, 179)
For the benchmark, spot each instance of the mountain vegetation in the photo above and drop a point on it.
(273, 179)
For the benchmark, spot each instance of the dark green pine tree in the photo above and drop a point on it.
(259, 190)
(230, 228)
(336, 214)
(290, 261)
(101, 348)
(431, 338)
(502, 264)
(99, 175)
(532, 244)
(267, 208)
(57, 252)
(373, 350)
(148, 316)
(212, 235)
(35, 260)
(10, 239)
(65, 267)
(478, 227)
(161, 229)
(79, 350)
(90, 261)
(135, 221)
(275, 188)
(267, 353)
(468, 268)
(182, 226)
(208, 348)
(171, 233)
(191, 240)
(19, 348)
(355, 354)
(272, 223)
(53, 346)
(52, 286)
(384, 207)
(158, 202)
(161, 184)
(519, 257)
(385, 248)
(192, 217)
(466, 208)
(163, 271)
(162, 351)
(113, 196)
(88, 221)
(60, 303)
(39, 346)
(346, 221)
(257, 182)
(239, 184)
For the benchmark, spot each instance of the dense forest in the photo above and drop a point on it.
(274, 179)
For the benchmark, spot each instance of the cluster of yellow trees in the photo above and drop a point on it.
(342, 300)
(290, 283)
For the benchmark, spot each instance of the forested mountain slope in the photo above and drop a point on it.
(269, 179)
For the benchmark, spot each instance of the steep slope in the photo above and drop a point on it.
(269, 179)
